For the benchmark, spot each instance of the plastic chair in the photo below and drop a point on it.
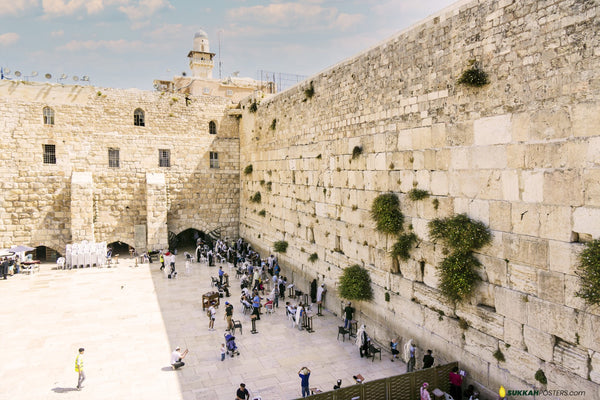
(342, 331)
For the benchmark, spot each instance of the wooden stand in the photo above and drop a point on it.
(210, 299)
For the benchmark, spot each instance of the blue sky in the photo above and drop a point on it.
(128, 43)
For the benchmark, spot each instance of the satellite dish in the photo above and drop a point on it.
(85, 78)
(17, 73)
(48, 76)
(63, 76)
(34, 73)
(75, 78)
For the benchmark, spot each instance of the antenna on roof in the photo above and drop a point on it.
(220, 40)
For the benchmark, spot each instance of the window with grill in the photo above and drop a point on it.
(49, 154)
(164, 158)
(214, 159)
(212, 128)
(138, 117)
(229, 92)
(113, 158)
(48, 116)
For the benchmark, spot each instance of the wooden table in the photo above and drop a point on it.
(210, 299)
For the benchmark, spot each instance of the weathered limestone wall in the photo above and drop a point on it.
(40, 206)
(521, 154)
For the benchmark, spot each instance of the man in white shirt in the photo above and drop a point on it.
(176, 358)
(213, 316)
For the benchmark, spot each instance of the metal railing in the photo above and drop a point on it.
(399, 387)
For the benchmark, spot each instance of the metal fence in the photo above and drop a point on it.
(399, 387)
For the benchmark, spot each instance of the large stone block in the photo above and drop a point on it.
(492, 130)
(538, 343)
(595, 367)
(495, 269)
(591, 183)
(510, 186)
(585, 220)
(550, 124)
(483, 318)
(488, 157)
(523, 278)
(520, 363)
(572, 358)
(551, 286)
(586, 119)
(513, 333)
(563, 187)
(481, 345)
(552, 318)
(532, 186)
(559, 378)
(500, 216)
(588, 326)
(525, 218)
(555, 222)
(525, 250)
(511, 304)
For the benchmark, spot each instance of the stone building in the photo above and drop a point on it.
(202, 83)
(520, 154)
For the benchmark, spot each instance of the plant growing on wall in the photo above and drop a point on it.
(262, 212)
(417, 194)
(309, 92)
(256, 198)
(355, 284)
(248, 169)
(540, 376)
(356, 152)
(401, 249)
(280, 246)
(588, 271)
(473, 76)
(313, 257)
(274, 124)
(461, 236)
(253, 107)
(386, 213)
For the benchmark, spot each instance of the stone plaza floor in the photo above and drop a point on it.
(130, 319)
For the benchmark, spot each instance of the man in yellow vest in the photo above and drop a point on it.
(79, 368)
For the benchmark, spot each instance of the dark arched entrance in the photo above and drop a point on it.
(187, 239)
(45, 254)
(120, 248)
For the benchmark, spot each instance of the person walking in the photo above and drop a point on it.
(242, 393)
(304, 374)
(394, 348)
(79, 368)
(409, 352)
(223, 351)
(221, 273)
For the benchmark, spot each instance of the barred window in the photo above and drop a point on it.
(49, 154)
(212, 128)
(138, 117)
(113, 158)
(229, 92)
(214, 159)
(48, 116)
(164, 158)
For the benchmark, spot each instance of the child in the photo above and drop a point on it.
(223, 351)
(394, 348)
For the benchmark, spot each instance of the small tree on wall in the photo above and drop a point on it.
(355, 283)
(588, 271)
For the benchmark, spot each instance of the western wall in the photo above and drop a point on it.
(81, 197)
(521, 154)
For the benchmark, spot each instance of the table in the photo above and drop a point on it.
(210, 299)
(30, 266)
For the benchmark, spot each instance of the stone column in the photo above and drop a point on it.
(156, 211)
(82, 207)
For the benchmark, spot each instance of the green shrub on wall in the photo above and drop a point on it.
(474, 76)
(355, 284)
(256, 198)
(401, 248)
(386, 213)
(313, 257)
(461, 236)
(588, 271)
(248, 169)
(460, 233)
(280, 246)
(418, 194)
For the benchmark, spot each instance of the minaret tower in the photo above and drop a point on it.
(201, 59)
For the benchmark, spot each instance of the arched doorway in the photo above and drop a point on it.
(120, 248)
(186, 239)
(45, 254)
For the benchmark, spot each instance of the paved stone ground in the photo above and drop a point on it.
(130, 319)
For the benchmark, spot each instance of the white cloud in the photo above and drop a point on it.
(14, 7)
(6, 39)
(144, 8)
(117, 46)
(300, 16)
(57, 8)
(58, 33)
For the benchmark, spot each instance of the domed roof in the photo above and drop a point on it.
(200, 34)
